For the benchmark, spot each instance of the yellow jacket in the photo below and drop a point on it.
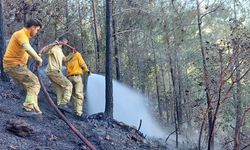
(76, 65)
(15, 53)
(55, 58)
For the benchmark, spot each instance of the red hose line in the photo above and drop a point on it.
(58, 43)
(72, 127)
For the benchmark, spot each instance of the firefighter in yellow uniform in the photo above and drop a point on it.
(75, 68)
(15, 63)
(60, 83)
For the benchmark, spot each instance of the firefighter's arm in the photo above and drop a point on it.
(83, 65)
(32, 52)
(67, 58)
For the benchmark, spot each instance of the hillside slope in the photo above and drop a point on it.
(48, 131)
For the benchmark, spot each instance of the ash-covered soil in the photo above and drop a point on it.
(49, 132)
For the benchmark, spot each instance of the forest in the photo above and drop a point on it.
(190, 58)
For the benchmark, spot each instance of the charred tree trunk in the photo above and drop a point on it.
(117, 55)
(97, 35)
(4, 77)
(109, 84)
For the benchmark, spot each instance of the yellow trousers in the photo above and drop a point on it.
(62, 86)
(30, 84)
(77, 94)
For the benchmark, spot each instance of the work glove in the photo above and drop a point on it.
(89, 73)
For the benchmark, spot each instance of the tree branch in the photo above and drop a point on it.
(130, 9)
(242, 120)
(209, 12)
(169, 136)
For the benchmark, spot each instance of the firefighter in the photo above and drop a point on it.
(76, 66)
(60, 83)
(15, 63)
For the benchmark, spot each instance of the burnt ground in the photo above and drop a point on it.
(48, 131)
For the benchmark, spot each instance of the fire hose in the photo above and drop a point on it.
(53, 105)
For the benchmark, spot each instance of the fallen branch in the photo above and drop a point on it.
(139, 125)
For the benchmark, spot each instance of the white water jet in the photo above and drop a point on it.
(129, 105)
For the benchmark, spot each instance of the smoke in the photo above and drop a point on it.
(129, 105)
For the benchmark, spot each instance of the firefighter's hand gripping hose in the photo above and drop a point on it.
(72, 127)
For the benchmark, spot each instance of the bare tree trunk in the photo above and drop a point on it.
(24, 13)
(238, 106)
(97, 35)
(81, 29)
(176, 66)
(55, 29)
(109, 84)
(130, 63)
(171, 105)
(205, 72)
(165, 95)
(117, 55)
(176, 129)
(4, 77)
(242, 120)
(176, 114)
(237, 96)
(178, 87)
(157, 83)
(188, 107)
(67, 14)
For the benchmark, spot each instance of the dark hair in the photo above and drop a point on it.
(33, 22)
(61, 38)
